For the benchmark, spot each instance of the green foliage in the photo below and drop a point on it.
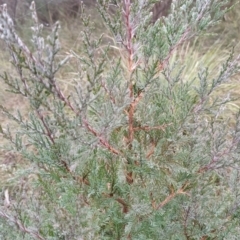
(135, 149)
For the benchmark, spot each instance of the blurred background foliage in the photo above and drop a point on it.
(68, 13)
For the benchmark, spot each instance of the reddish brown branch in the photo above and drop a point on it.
(48, 132)
(130, 124)
(130, 112)
(172, 195)
(103, 141)
(65, 165)
(129, 177)
(129, 45)
(151, 151)
(124, 205)
(112, 98)
(63, 98)
(83, 180)
(153, 201)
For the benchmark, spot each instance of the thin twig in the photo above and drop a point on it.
(103, 141)
(172, 195)
(21, 226)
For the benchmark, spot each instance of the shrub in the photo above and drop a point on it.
(134, 149)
